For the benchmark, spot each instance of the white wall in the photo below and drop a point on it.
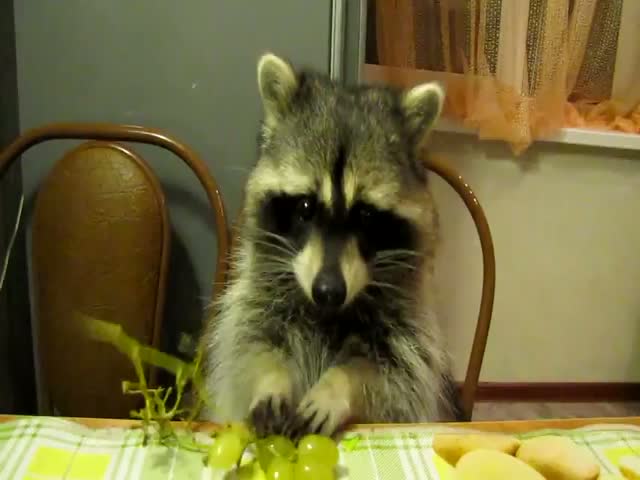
(566, 228)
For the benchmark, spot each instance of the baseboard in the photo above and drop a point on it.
(558, 392)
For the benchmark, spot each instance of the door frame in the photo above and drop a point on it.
(348, 40)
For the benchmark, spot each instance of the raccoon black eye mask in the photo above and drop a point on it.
(373, 232)
(327, 317)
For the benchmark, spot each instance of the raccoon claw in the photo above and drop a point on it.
(320, 417)
(271, 416)
(307, 421)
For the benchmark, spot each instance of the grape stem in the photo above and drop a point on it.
(155, 411)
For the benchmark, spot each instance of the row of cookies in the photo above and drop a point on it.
(503, 457)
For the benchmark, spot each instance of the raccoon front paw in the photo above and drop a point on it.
(322, 410)
(271, 416)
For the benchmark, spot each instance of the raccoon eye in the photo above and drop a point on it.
(306, 208)
(365, 215)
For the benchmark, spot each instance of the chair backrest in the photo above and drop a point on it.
(136, 134)
(101, 245)
(453, 178)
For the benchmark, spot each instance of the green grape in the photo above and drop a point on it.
(281, 446)
(245, 472)
(225, 450)
(309, 468)
(274, 446)
(320, 448)
(263, 454)
(251, 471)
(241, 430)
(280, 469)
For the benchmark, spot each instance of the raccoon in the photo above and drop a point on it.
(327, 318)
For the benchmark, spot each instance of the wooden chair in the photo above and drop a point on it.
(470, 386)
(101, 241)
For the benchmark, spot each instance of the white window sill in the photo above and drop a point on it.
(572, 136)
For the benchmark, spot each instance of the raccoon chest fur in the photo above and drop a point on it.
(251, 337)
(312, 343)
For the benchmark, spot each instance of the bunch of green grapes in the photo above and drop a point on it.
(277, 458)
(315, 456)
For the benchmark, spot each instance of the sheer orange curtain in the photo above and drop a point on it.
(515, 70)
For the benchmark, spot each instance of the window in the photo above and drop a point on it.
(515, 70)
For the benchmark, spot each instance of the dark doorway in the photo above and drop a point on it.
(17, 377)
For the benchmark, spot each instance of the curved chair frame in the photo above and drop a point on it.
(443, 169)
(133, 133)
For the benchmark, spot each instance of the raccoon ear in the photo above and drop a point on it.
(277, 82)
(422, 106)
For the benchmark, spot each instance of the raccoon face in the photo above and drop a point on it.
(339, 193)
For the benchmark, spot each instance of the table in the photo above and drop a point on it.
(510, 426)
(92, 449)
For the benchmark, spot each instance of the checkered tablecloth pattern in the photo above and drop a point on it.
(44, 448)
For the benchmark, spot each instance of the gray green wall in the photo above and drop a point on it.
(187, 67)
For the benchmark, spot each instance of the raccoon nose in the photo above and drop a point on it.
(329, 289)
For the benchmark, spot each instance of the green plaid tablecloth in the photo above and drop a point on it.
(44, 448)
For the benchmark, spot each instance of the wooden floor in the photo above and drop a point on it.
(530, 411)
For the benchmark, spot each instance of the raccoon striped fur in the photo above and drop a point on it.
(327, 317)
